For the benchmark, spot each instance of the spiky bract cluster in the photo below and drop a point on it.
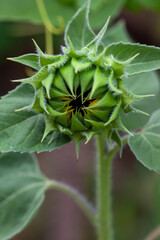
(80, 93)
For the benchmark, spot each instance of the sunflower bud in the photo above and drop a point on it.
(81, 93)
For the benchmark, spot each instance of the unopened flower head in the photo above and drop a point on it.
(81, 92)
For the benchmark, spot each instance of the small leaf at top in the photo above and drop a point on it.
(146, 143)
(78, 29)
(97, 41)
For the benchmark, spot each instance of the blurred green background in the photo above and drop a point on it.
(136, 191)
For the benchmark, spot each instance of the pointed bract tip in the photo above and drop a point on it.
(17, 110)
(96, 42)
(39, 51)
(44, 136)
(15, 80)
(145, 96)
(139, 111)
(77, 150)
(109, 18)
(88, 139)
(10, 59)
(152, 95)
(52, 138)
(123, 126)
(34, 41)
(120, 153)
(101, 55)
(131, 134)
(131, 59)
(70, 44)
(77, 154)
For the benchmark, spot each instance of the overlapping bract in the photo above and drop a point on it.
(80, 92)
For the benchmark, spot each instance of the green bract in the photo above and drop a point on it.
(80, 92)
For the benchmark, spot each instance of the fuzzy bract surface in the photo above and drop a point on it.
(80, 92)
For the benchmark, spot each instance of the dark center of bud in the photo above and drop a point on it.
(76, 104)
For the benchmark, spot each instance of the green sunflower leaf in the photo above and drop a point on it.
(146, 143)
(78, 29)
(116, 34)
(22, 188)
(22, 131)
(136, 84)
(147, 60)
(27, 11)
(97, 41)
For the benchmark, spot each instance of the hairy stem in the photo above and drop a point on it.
(104, 216)
(83, 203)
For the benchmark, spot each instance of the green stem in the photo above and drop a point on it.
(78, 198)
(104, 216)
(102, 220)
(51, 28)
(49, 42)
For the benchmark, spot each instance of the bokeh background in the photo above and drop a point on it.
(136, 190)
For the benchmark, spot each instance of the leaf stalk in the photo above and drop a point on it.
(83, 203)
